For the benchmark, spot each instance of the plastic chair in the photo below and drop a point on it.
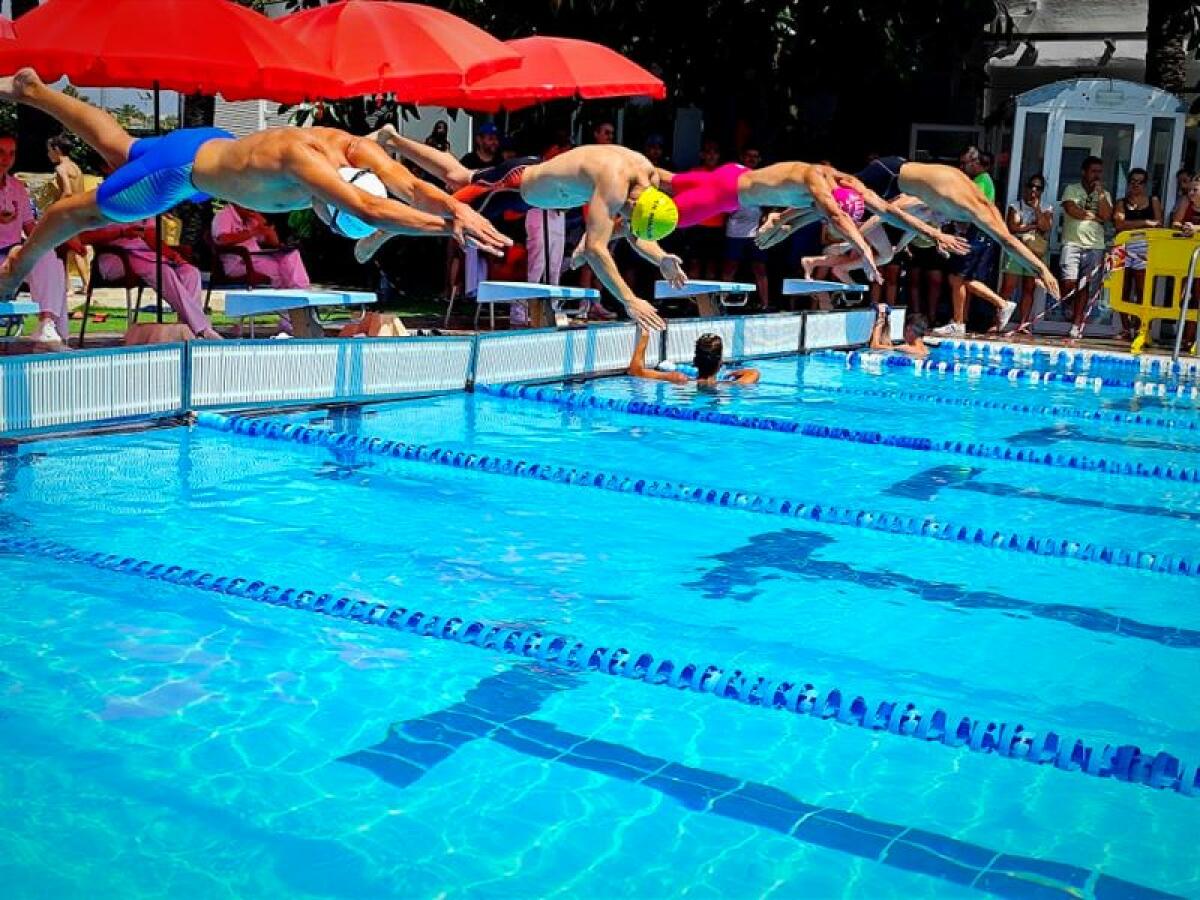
(128, 279)
(218, 276)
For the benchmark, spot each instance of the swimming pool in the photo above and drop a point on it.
(163, 729)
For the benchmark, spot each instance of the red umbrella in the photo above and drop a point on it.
(553, 68)
(190, 46)
(401, 48)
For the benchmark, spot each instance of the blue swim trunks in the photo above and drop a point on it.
(157, 177)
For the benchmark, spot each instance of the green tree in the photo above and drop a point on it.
(1172, 27)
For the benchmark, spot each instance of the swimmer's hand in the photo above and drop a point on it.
(952, 243)
(644, 314)
(774, 229)
(469, 228)
(671, 267)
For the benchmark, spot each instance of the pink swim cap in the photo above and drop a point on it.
(851, 202)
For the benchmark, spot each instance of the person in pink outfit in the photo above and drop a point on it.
(180, 281)
(48, 278)
(237, 226)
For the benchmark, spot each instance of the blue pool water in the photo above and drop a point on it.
(161, 738)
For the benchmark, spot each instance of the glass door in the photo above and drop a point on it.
(1122, 142)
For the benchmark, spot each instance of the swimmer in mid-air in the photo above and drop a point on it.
(272, 171)
(619, 187)
(945, 190)
(809, 191)
(706, 368)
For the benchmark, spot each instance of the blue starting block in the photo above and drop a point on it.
(712, 297)
(545, 301)
(12, 316)
(302, 303)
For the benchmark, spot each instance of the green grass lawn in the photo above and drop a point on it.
(408, 308)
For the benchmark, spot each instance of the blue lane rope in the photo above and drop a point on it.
(857, 359)
(1126, 762)
(1069, 360)
(1000, 452)
(1025, 409)
(872, 520)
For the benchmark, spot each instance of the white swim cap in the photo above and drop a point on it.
(341, 221)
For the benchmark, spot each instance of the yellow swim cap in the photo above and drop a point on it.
(654, 216)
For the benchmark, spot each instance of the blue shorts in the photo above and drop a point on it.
(740, 250)
(157, 177)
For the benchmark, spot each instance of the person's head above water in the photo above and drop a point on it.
(710, 351)
(915, 328)
(653, 216)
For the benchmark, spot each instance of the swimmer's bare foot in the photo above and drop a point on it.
(808, 263)
(369, 246)
(18, 85)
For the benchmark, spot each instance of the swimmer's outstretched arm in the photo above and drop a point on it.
(384, 213)
(820, 186)
(895, 213)
(637, 363)
(670, 265)
(436, 162)
(424, 196)
(600, 211)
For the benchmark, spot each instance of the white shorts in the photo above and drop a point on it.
(1078, 262)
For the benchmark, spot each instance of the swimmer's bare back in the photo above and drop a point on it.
(258, 171)
(570, 179)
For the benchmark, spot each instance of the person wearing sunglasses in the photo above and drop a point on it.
(1030, 219)
(1137, 210)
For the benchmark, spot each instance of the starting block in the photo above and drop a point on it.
(712, 297)
(545, 301)
(12, 316)
(801, 287)
(305, 306)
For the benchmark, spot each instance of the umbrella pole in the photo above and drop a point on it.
(158, 229)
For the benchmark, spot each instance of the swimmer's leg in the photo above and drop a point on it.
(62, 221)
(93, 124)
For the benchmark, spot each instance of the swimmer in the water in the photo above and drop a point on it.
(806, 189)
(618, 186)
(947, 191)
(915, 329)
(271, 171)
(706, 368)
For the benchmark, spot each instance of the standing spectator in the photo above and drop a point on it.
(439, 136)
(1030, 219)
(1137, 210)
(707, 239)
(655, 150)
(1087, 206)
(48, 280)
(740, 229)
(559, 143)
(69, 179)
(236, 226)
(604, 132)
(926, 276)
(487, 148)
(1186, 220)
(1183, 181)
(971, 273)
(180, 281)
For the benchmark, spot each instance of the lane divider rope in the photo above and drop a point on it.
(871, 361)
(871, 520)
(999, 452)
(1125, 762)
(1028, 409)
(1065, 359)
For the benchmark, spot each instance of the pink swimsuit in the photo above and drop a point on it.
(701, 195)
